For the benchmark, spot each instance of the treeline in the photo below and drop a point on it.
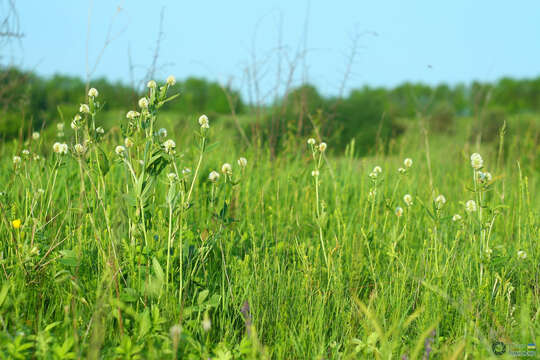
(366, 113)
(29, 98)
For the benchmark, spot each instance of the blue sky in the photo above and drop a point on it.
(427, 41)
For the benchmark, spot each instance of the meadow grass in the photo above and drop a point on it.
(112, 249)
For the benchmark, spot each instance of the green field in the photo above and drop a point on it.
(111, 252)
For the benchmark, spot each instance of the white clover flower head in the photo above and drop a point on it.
(408, 162)
(311, 141)
(213, 176)
(377, 169)
(175, 332)
(100, 130)
(84, 109)
(483, 177)
(171, 80)
(226, 168)
(169, 146)
(60, 126)
(372, 194)
(456, 217)
(151, 85)
(476, 161)
(315, 173)
(132, 114)
(41, 191)
(172, 176)
(402, 170)
(93, 93)
(79, 149)
(470, 206)
(35, 135)
(56, 147)
(25, 152)
(522, 255)
(162, 132)
(206, 324)
(242, 162)
(322, 147)
(36, 157)
(203, 121)
(120, 150)
(440, 201)
(60, 148)
(399, 211)
(128, 142)
(16, 160)
(186, 171)
(74, 125)
(143, 103)
(408, 200)
(373, 175)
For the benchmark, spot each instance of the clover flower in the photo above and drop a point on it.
(203, 121)
(16, 160)
(60, 148)
(407, 199)
(322, 147)
(315, 173)
(206, 324)
(93, 93)
(132, 114)
(440, 201)
(169, 146)
(226, 168)
(484, 177)
(35, 135)
(162, 132)
(186, 171)
(128, 142)
(372, 194)
(470, 206)
(151, 85)
(100, 130)
(175, 332)
(171, 80)
(408, 162)
(143, 103)
(84, 109)
(172, 176)
(399, 211)
(456, 217)
(311, 141)
(476, 161)
(522, 255)
(120, 150)
(213, 176)
(242, 162)
(25, 152)
(60, 126)
(80, 149)
(402, 170)
(377, 169)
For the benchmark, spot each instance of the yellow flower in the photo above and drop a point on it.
(16, 223)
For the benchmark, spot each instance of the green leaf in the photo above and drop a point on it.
(202, 296)
(158, 270)
(69, 258)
